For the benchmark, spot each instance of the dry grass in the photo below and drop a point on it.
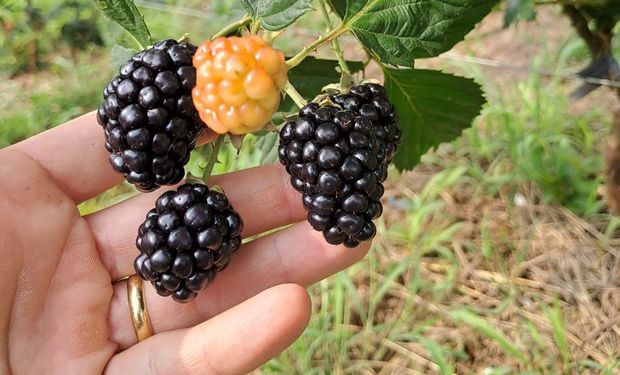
(541, 255)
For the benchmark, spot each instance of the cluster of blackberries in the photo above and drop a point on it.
(149, 117)
(338, 158)
(186, 239)
(151, 126)
(337, 155)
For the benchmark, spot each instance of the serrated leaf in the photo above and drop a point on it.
(311, 76)
(266, 144)
(397, 32)
(434, 107)
(276, 15)
(127, 15)
(349, 8)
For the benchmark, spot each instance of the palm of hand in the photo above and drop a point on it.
(60, 289)
(60, 311)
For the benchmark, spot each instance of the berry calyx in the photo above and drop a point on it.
(238, 83)
(186, 240)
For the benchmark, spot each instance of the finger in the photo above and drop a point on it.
(297, 255)
(262, 196)
(75, 156)
(234, 342)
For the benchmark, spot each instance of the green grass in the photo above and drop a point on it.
(66, 91)
(66, 88)
(387, 313)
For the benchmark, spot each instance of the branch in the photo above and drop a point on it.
(308, 50)
(335, 45)
(595, 43)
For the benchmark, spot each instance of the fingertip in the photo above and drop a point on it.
(294, 295)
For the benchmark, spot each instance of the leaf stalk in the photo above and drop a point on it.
(208, 168)
(335, 45)
(233, 27)
(295, 95)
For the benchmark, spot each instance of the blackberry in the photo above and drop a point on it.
(370, 101)
(186, 240)
(148, 115)
(338, 158)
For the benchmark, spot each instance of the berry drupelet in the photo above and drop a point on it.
(338, 159)
(186, 240)
(371, 102)
(148, 115)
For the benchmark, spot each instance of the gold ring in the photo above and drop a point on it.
(137, 308)
(122, 278)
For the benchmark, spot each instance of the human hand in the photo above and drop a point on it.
(60, 311)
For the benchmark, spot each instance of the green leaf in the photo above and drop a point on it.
(517, 10)
(397, 32)
(311, 76)
(604, 14)
(276, 15)
(433, 107)
(119, 54)
(127, 15)
(349, 8)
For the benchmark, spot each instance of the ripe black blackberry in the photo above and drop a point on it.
(148, 115)
(370, 100)
(186, 240)
(338, 158)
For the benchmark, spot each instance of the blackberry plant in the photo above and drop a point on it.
(339, 131)
(596, 23)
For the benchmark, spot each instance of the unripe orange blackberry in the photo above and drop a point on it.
(238, 83)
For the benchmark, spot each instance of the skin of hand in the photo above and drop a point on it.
(61, 313)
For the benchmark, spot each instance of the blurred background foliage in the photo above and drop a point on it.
(496, 255)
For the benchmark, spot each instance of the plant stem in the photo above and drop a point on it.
(341, 29)
(184, 38)
(595, 43)
(335, 45)
(233, 27)
(297, 59)
(271, 36)
(255, 27)
(208, 169)
(291, 91)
